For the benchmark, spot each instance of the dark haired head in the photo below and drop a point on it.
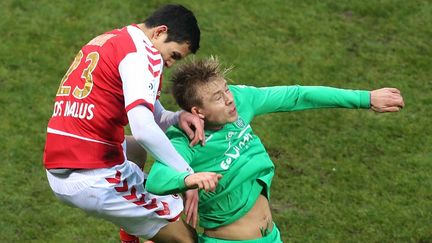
(181, 22)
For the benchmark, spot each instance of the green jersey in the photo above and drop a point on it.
(238, 154)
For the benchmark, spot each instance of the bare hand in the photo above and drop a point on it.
(193, 126)
(191, 207)
(386, 100)
(203, 180)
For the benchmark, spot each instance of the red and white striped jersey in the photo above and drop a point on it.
(110, 75)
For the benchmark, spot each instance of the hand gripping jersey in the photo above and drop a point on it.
(110, 75)
(238, 154)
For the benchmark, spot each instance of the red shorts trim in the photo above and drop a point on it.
(175, 218)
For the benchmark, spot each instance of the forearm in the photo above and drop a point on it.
(149, 135)
(310, 97)
(163, 180)
(165, 118)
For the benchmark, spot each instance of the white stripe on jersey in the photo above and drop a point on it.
(140, 78)
(58, 132)
(243, 131)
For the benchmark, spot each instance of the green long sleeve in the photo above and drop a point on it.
(295, 98)
(164, 180)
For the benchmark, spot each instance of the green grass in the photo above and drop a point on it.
(341, 175)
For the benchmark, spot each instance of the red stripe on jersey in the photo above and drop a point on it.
(152, 51)
(140, 102)
(153, 61)
(154, 73)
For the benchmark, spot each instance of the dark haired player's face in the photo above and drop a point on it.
(218, 107)
(171, 51)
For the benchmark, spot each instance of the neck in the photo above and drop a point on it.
(213, 127)
(147, 31)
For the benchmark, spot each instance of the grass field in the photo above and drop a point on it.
(341, 175)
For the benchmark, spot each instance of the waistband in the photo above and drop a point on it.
(273, 237)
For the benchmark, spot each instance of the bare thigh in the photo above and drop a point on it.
(176, 232)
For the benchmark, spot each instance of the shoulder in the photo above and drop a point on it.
(238, 90)
(117, 37)
(174, 132)
(242, 89)
(242, 93)
(238, 87)
(129, 39)
(180, 141)
(113, 45)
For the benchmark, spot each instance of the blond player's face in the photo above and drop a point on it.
(218, 107)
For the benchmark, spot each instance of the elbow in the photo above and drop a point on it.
(141, 137)
(153, 186)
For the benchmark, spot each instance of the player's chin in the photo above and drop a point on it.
(233, 117)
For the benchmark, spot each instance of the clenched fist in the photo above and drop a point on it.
(386, 100)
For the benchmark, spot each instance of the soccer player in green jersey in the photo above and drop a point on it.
(238, 210)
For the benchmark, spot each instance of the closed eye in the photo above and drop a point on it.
(176, 56)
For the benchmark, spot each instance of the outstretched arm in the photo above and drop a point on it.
(295, 98)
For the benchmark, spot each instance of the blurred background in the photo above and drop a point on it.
(341, 175)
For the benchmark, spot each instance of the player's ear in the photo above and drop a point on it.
(159, 30)
(197, 111)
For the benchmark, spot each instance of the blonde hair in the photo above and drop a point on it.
(194, 73)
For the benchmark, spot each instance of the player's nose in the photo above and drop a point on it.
(169, 63)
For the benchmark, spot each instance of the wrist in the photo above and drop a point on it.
(183, 185)
(177, 116)
(365, 99)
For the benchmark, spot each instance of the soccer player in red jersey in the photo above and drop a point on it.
(115, 80)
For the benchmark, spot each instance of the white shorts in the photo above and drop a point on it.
(117, 194)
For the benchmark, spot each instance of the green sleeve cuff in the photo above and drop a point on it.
(365, 99)
(181, 181)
